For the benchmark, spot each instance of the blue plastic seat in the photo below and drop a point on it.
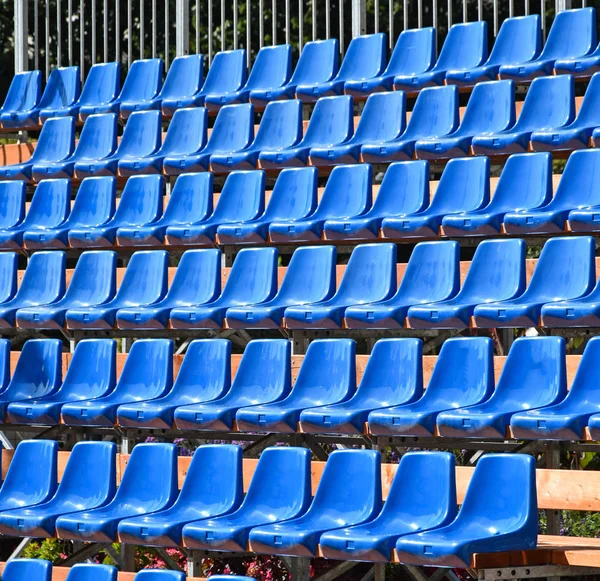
(141, 138)
(149, 484)
(88, 482)
(21, 99)
(575, 199)
(147, 374)
(383, 119)
(565, 270)
(279, 129)
(463, 187)
(327, 376)
(549, 104)
(91, 373)
(205, 375)
(348, 194)
(432, 274)
(331, 123)
(93, 283)
(499, 514)
(93, 207)
(269, 76)
(519, 41)
(38, 373)
(242, 199)
(212, 487)
(226, 76)
(141, 87)
(280, 489)
(12, 206)
(497, 273)
(491, 108)
(263, 376)
(393, 376)
(567, 419)
(43, 284)
(182, 85)
(232, 133)
(294, 197)
(572, 35)
(413, 505)
(310, 278)
(533, 376)
(349, 493)
(317, 65)
(160, 575)
(92, 572)
(98, 141)
(465, 48)
(577, 134)
(197, 281)
(55, 144)
(100, 91)
(524, 185)
(9, 267)
(144, 283)
(463, 376)
(370, 276)
(32, 569)
(141, 204)
(186, 135)
(435, 114)
(404, 190)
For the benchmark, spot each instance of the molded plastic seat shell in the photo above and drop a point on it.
(141, 87)
(22, 98)
(100, 91)
(317, 65)
(33, 569)
(182, 85)
(61, 92)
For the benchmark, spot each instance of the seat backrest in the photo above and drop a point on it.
(364, 59)
(92, 572)
(62, 89)
(464, 186)
(145, 279)
(98, 137)
(187, 132)
(370, 275)
(572, 34)
(404, 189)
(272, 67)
(465, 47)
(280, 126)
(227, 72)
(318, 62)
(348, 192)
(566, 269)
(463, 373)
(141, 201)
(12, 203)
(44, 278)
(142, 134)
(549, 103)
(56, 141)
(143, 81)
(207, 364)
(414, 53)
(294, 195)
(310, 276)
(435, 113)
(4, 363)
(233, 129)
(93, 368)
(149, 481)
(331, 122)
(184, 77)
(525, 182)
(280, 482)
(432, 273)
(519, 41)
(491, 108)
(383, 118)
(198, 277)
(242, 197)
(191, 199)
(24, 92)
(94, 279)
(19, 569)
(50, 204)
(253, 276)
(265, 370)
(95, 201)
(9, 265)
(102, 84)
(587, 379)
(588, 113)
(159, 575)
(578, 186)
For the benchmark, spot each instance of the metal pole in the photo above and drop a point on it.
(301, 25)
(449, 14)
(314, 19)
(342, 22)
(479, 9)
(435, 15)
(287, 22)
(47, 39)
(197, 30)
(391, 23)
(222, 24)
(70, 30)
(495, 18)
(36, 42)
(420, 13)
(117, 31)
(105, 15)
(154, 27)
(465, 11)
(248, 33)
(327, 18)
(182, 21)
(167, 25)
(142, 32)
(405, 14)
(21, 33)
(129, 33)
(235, 24)
(274, 22)
(359, 17)
(376, 16)
(58, 33)
(93, 31)
(261, 23)
(210, 31)
(81, 40)
(544, 20)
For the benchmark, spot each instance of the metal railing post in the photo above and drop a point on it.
(359, 17)
(182, 21)
(563, 5)
(21, 34)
